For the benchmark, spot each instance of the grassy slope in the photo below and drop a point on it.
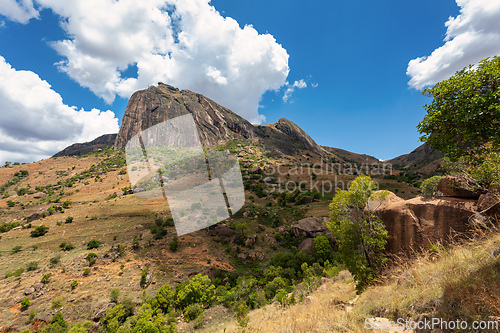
(113, 221)
(458, 282)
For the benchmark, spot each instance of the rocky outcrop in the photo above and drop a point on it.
(157, 104)
(452, 186)
(489, 203)
(309, 227)
(215, 123)
(78, 149)
(419, 222)
(287, 137)
(223, 231)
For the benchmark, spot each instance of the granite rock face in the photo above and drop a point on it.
(154, 105)
(420, 222)
(216, 124)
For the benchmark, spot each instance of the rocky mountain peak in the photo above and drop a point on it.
(157, 104)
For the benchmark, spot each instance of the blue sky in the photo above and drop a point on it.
(349, 73)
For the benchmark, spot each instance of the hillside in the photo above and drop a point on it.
(423, 159)
(101, 237)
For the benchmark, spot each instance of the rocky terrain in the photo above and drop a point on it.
(72, 230)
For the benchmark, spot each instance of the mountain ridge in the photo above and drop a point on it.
(217, 124)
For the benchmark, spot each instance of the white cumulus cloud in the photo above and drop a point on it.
(185, 43)
(18, 10)
(34, 121)
(471, 36)
(301, 84)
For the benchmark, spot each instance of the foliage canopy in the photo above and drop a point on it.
(464, 114)
(360, 235)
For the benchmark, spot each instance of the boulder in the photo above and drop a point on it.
(33, 217)
(309, 227)
(29, 291)
(419, 222)
(459, 187)
(256, 255)
(38, 286)
(250, 240)
(39, 195)
(307, 245)
(242, 256)
(381, 199)
(308, 200)
(489, 203)
(256, 169)
(225, 281)
(223, 231)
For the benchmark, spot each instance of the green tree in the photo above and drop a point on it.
(360, 235)
(197, 290)
(164, 298)
(322, 248)
(464, 114)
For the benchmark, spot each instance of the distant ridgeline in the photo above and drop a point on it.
(78, 149)
(217, 124)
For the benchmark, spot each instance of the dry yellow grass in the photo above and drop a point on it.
(458, 282)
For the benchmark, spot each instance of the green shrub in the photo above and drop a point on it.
(17, 272)
(66, 203)
(93, 244)
(91, 258)
(22, 191)
(66, 246)
(55, 260)
(117, 316)
(7, 226)
(57, 303)
(198, 290)
(242, 317)
(32, 316)
(39, 231)
(11, 203)
(16, 249)
(360, 235)
(32, 266)
(115, 293)
(174, 245)
(86, 271)
(192, 312)
(25, 303)
(46, 278)
(135, 243)
(144, 276)
(69, 219)
(429, 187)
(74, 284)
